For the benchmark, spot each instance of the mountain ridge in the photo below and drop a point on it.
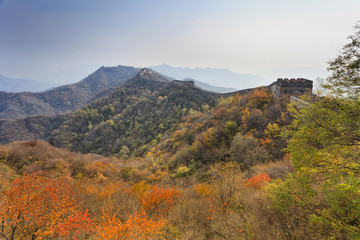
(146, 98)
(132, 115)
(64, 98)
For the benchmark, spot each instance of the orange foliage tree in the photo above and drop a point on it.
(137, 226)
(258, 181)
(77, 226)
(259, 98)
(158, 201)
(34, 205)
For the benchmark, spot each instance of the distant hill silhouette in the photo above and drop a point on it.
(211, 88)
(213, 76)
(8, 84)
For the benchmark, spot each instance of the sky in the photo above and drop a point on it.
(65, 40)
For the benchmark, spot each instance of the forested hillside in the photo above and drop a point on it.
(131, 117)
(30, 128)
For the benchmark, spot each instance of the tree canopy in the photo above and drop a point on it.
(321, 197)
(345, 68)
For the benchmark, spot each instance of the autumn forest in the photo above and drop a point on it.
(150, 158)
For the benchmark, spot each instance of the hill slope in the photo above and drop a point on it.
(65, 98)
(132, 116)
(30, 128)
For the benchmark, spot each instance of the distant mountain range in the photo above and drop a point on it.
(67, 98)
(9, 84)
(211, 88)
(64, 98)
(212, 76)
(13, 85)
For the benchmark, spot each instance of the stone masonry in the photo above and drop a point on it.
(291, 87)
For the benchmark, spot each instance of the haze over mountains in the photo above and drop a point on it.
(211, 88)
(9, 84)
(210, 79)
(17, 104)
(214, 76)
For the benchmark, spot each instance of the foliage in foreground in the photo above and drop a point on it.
(321, 198)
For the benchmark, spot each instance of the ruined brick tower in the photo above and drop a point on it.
(291, 87)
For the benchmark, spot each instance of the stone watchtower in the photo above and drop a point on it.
(292, 87)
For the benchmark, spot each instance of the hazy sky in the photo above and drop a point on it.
(70, 38)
